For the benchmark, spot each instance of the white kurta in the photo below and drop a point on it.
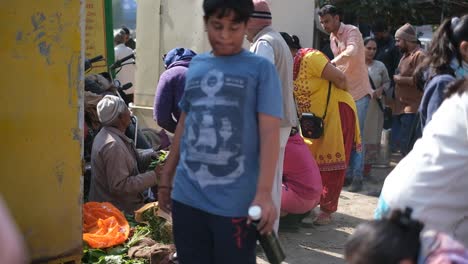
(127, 73)
(264, 49)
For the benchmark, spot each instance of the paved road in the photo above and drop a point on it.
(325, 244)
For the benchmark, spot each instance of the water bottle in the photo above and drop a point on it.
(269, 242)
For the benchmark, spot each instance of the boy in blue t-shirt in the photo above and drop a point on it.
(226, 145)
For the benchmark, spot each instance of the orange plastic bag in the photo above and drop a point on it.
(104, 225)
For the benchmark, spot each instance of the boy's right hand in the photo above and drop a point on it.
(269, 214)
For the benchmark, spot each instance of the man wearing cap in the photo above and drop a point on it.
(115, 176)
(268, 43)
(407, 96)
(347, 46)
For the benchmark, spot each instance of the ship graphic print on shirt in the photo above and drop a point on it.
(214, 129)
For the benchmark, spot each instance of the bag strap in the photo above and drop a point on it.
(372, 83)
(328, 100)
(379, 101)
(297, 107)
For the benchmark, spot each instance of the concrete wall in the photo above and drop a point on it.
(295, 17)
(41, 123)
(161, 26)
(181, 25)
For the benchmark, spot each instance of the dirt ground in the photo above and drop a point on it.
(325, 244)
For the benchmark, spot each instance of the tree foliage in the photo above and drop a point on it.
(396, 12)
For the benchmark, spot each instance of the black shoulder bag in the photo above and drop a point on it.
(312, 126)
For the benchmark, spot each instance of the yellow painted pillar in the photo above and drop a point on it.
(41, 124)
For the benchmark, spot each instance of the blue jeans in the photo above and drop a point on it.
(402, 132)
(356, 162)
(395, 135)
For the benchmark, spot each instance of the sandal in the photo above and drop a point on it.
(323, 219)
(308, 220)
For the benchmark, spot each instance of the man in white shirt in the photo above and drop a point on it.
(127, 72)
(268, 43)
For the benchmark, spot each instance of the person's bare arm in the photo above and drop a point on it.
(334, 75)
(269, 127)
(168, 172)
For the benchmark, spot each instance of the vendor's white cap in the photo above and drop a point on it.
(109, 108)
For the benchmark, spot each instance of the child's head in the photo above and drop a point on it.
(226, 23)
(392, 240)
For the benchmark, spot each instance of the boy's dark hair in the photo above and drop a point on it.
(330, 10)
(292, 41)
(220, 8)
(385, 241)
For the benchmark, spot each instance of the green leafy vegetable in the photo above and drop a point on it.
(161, 156)
(140, 232)
(91, 255)
(117, 254)
(131, 220)
(161, 229)
(118, 250)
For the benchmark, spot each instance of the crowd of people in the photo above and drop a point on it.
(237, 117)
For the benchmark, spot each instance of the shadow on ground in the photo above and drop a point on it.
(374, 182)
(326, 244)
(318, 244)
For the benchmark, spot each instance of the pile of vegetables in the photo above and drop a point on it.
(118, 254)
(147, 223)
(159, 222)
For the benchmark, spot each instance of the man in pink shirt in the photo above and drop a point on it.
(347, 46)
